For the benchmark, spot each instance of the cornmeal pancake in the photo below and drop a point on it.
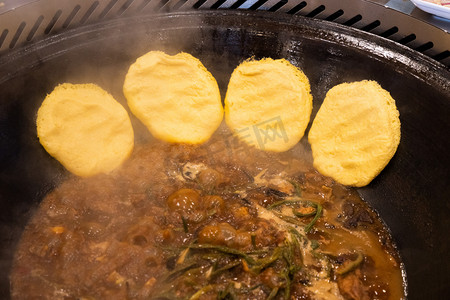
(355, 133)
(85, 129)
(175, 97)
(268, 103)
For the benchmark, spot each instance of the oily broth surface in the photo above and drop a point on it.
(116, 236)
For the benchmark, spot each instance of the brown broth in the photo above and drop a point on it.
(204, 222)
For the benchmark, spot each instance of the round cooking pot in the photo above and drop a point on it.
(411, 194)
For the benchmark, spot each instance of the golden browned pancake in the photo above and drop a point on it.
(176, 98)
(268, 103)
(355, 133)
(85, 129)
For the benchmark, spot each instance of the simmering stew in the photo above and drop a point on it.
(217, 221)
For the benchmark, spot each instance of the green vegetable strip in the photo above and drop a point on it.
(226, 267)
(351, 266)
(318, 214)
(288, 218)
(285, 202)
(228, 293)
(264, 262)
(292, 267)
(273, 293)
(289, 255)
(287, 289)
(224, 250)
(200, 292)
(179, 270)
(298, 190)
(294, 233)
(314, 244)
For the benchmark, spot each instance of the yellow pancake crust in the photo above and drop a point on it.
(268, 103)
(175, 97)
(85, 129)
(355, 132)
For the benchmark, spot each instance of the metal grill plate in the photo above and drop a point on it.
(25, 21)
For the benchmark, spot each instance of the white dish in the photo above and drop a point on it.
(435, 9)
